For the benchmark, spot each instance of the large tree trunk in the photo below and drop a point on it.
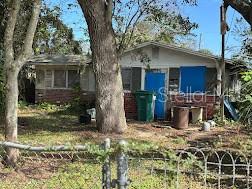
(110, 115)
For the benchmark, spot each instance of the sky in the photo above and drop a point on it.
(206, 14)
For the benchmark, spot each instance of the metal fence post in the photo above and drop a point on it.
(122, 167)
(106, 170)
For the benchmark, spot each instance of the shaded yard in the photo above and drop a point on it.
(60, 126)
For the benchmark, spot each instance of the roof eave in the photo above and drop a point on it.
(180, 49)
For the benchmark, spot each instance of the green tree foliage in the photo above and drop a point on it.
(53, 36)
(246, 101)
(150, 20)
(245, 105)
(243, 61)
(206, 51)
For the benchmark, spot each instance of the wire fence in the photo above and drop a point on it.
(92, 166)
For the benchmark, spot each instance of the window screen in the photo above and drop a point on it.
(40, 79)
(137, 75)
(73, 78)
(174, 79)
(48, 78)
(59, 79)
(126, 78)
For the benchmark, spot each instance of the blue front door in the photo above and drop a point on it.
(155, 82)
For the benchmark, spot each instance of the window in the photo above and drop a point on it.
(59, 79)
(137, 75)
(73, 78)
(126, 78)
(40, 78)
(48, 78)
(174, 79)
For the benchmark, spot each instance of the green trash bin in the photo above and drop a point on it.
(145, 105)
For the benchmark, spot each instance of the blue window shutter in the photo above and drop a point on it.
(193, 79)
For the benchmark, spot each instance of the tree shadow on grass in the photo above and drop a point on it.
(55, 122)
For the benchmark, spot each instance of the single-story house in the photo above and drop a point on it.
(177, 75)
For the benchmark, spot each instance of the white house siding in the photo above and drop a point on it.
(167, 58)
(163, 59)
(148, 57)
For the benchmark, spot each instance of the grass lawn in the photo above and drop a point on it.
(53, 126)
(84, 175)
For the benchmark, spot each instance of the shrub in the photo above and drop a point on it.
(22, 104)
(245, 105)
(47, 106)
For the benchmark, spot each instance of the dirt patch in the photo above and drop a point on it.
(163, 134)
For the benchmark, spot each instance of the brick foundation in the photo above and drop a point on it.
(130, 106)
(208, 103)
(61, 96)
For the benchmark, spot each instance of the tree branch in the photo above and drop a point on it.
(27, 47)
(13, 11)
(243, 7)
(130, 25)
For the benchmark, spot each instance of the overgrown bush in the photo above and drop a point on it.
(22, 104)
(245, 105)
(78, 105)
(48, 106)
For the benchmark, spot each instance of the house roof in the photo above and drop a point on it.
(46, 59)
(82, 60)
(176, 48)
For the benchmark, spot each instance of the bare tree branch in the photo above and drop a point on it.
(130, 25)
(244, 7)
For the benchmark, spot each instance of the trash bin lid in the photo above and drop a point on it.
(144, 92)
(181, 107)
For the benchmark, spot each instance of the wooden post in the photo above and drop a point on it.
(223, 10)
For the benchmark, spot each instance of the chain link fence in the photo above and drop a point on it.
(103, 166)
